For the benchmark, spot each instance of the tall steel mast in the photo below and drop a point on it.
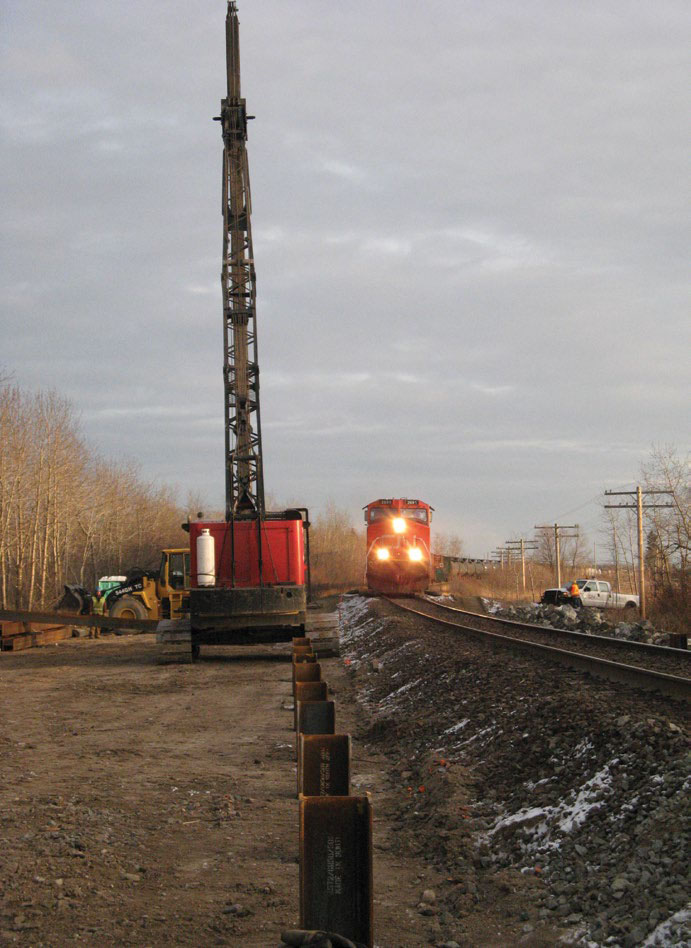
(247, 571)
(243, 443)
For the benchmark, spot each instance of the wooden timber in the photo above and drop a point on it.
(15, 636)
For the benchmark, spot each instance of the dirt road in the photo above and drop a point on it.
(149, 804)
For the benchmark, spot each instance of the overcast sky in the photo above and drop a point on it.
(471, 241)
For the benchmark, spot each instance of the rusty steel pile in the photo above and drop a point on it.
(336, 890)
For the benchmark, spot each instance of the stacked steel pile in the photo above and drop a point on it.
(335, 827)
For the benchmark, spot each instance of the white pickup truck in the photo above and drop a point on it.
(594, 592)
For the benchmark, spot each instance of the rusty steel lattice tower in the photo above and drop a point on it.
(243, 443)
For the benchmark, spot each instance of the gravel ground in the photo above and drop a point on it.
(552, 806)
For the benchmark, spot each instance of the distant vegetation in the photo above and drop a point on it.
(667, 532)
(67, 515)
(338, 552)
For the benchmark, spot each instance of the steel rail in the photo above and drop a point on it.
(669, 685)
(63, 618)
(649, 647)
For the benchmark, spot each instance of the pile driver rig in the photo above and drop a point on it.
(250, 571)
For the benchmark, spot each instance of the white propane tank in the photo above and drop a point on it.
(206, 559)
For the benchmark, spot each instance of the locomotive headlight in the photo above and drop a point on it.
(399, 525)
(415, 554)
(382, 553)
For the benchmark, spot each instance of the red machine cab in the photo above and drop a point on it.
(249, 578)
(236, 553)
(398, 545)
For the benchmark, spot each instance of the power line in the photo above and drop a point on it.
(639, 507)
(568, 513)
(558, 536)
(523, 545)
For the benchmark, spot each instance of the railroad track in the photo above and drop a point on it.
(652, 667)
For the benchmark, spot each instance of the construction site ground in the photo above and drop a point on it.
(148, 804)
(154, 804)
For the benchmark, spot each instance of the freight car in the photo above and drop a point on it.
(398, 546)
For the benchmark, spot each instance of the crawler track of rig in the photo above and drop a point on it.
(652, 667)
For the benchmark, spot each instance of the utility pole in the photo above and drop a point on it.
(523, 545)
(558, 536)
(500, 552)
(639, 507)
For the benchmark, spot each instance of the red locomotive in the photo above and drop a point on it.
(398, 545)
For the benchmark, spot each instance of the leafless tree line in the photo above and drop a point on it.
(667, 532)
(574, 552)
(446, 544)
(66, 515)
(337, 551)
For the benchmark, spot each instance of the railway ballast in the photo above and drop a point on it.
(651, 667)
(525, 781)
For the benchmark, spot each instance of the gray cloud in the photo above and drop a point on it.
(470, 236)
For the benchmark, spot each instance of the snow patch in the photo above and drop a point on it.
(399, 691)
(551, 822)
(674, 931)
(455, 727)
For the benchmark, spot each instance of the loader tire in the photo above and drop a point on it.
(128, 608)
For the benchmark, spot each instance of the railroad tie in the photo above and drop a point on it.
(299, 650)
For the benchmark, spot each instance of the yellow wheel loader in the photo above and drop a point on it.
(144, 594)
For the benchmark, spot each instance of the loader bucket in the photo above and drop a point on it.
(75, 600)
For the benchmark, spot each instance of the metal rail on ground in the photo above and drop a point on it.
(669, 685)
(566, 633)
(63, 618)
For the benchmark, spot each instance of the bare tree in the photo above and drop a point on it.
(65, 514)
(446, 544)
(337, 550)
(668, 529)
